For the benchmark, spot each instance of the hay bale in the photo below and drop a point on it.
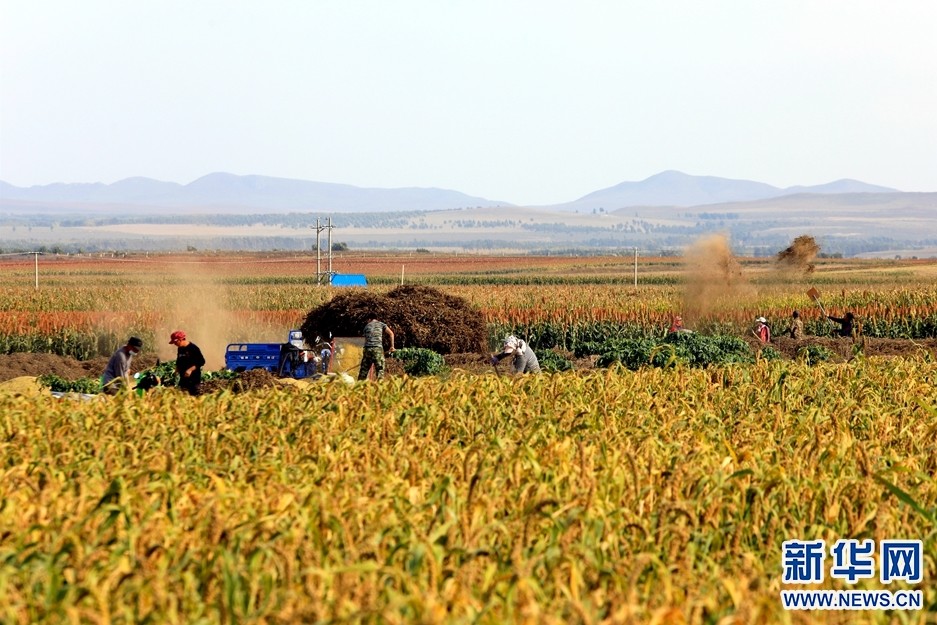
(420, 316)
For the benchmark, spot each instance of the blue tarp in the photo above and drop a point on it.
(349, 279)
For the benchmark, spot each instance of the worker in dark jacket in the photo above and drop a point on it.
(847, 325)
(189, 362)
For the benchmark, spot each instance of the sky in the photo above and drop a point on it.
(527, 102)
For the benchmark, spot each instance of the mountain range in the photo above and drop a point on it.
(674, 188)
(223, 192)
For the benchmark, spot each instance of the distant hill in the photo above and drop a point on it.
(674, 188)
(228, 193)
(840, 186)
(221, 192)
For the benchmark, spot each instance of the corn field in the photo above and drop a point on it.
(660, 496)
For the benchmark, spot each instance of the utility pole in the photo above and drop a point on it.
(635, 267)
(319, 229)
(318, 256)
(36, 255)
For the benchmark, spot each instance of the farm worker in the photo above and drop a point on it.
(761, 330)
(796, 331)
(677, 325)
(189, 362)
(374, 332)
(325, 354)
(117, 373)
(847, 324)
(523, 358)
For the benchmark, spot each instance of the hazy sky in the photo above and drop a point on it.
(530, 102)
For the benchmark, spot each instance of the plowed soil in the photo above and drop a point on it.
(21, 364)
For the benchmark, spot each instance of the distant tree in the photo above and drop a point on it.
(340, 247)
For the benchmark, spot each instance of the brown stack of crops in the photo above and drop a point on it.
(420, 316)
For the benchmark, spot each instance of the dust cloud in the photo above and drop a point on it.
(799, 256)
(199, 306)
(714, 280)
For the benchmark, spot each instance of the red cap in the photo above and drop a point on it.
(178, 335)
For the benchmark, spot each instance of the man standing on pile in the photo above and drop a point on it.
(189, 362)
(523, 358)
(374, 332)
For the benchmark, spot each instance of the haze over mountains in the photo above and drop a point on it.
(222, 192)
(661, 214)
